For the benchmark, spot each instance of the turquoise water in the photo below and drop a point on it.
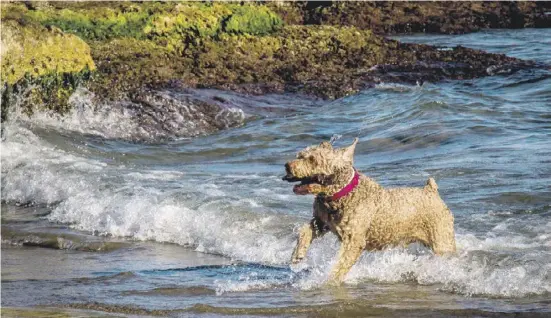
(205, 226)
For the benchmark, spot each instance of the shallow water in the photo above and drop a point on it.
(205, 226)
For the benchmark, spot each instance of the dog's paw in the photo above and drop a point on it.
(296, 260)
(335, 279)
(332, 283)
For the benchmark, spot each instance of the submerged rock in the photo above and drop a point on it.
(59, 241)
(169, 115)
(145, 115)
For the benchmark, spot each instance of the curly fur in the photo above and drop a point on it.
(370, 217)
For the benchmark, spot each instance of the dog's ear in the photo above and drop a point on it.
(348, 152)
(326, 144)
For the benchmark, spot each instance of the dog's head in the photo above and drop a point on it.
(320, 169)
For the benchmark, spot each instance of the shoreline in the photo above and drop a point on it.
(122, 49)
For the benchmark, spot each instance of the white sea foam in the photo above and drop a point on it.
(399, 87)
(165, 119)
(146, 214)
(90, 200)
(466, 273)
(85, 117)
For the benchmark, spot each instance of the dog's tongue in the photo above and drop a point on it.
(301, 189)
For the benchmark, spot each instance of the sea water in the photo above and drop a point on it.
(204, 225)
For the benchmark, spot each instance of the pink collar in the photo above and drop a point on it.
(347, 188)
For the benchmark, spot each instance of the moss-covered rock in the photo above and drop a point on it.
(293, 58)
(291, 12)
(188, 24)
(237, 46)
(41, 65)
(98, 21)
(106, 23)
(255, 20)
(126, 64)
(37, 51)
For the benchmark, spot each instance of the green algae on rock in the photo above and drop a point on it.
(256, 20)
(127, 64)
(37, 51)
(92, 20)
(150, 44)
(106, 23)
(188, 24)
(296, 57)
(243, 47)
(45, 64)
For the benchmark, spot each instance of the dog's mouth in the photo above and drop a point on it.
(304, 186)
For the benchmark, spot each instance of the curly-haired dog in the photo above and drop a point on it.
(363, 214)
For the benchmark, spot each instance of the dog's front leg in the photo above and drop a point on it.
(306, 234)
(352, 247)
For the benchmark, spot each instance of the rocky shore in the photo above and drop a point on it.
(396, 17)
(328, 50)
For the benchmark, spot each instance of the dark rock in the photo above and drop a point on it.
(168, 115)
(451, 17)
(144, 53)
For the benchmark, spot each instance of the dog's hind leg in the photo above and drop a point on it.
(442, 238)
(306, 234)
(445, 246)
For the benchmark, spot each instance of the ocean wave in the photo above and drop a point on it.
(472, 272)
(150, 116)
(214, 217)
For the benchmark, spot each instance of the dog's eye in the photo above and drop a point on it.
(311, 158)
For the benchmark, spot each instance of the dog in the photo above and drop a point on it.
(363, 214)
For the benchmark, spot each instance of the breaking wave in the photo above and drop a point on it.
(150, 116)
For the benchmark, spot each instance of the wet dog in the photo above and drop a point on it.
(363, 214)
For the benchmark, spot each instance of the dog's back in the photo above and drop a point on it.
(400, 216)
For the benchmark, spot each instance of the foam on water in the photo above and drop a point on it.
(173, 117)
(479, 142)
(114, 200)
(93, 196)
(467, 273)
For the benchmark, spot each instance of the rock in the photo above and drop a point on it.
(37, 51)
(153, 46)
(45, 56)
(162, 115)
(387, 17)
(61, 241)
(331, 62)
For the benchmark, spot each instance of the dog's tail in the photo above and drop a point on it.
(431, 185)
